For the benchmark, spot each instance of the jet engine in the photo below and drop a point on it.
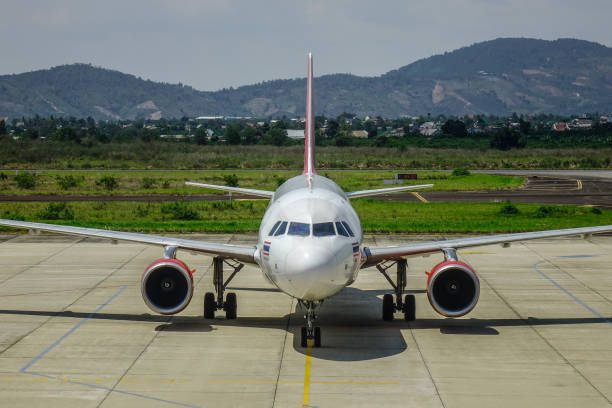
(167, 286)
(453, 288)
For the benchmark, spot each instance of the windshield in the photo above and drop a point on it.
(276, 224)
(299, 228)
(348, 228)
(281, 229)
(341, 229)
(323, 229)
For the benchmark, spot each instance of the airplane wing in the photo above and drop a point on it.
(375, 255)
(367, 193)
(243, 253)
(249, 191)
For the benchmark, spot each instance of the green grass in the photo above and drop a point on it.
(173, 182)
(49, 154)
(244, 216)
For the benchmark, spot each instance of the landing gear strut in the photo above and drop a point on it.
(230, 305)
(309, 331)
(390, 306)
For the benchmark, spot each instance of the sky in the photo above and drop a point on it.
(214, 44)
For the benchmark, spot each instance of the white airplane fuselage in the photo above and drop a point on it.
(307, 259)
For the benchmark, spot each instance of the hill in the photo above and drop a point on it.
(499, 77)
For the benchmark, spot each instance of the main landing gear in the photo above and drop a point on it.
(309, 331)
(230, 305)
(389, 306)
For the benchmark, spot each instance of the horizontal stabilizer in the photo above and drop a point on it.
(367, 193)
(249, 191)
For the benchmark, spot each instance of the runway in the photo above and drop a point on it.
(580, 187)
(74, 332)
(537, 190)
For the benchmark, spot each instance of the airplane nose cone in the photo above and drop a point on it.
(312, 272)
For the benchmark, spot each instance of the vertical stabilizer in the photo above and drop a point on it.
(309, 137)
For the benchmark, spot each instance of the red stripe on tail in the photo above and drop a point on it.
(309, 139)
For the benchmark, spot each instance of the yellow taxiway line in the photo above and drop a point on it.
(420, 197)
(306, 394)
(579, 183)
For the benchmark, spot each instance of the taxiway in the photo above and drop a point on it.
(74, 332)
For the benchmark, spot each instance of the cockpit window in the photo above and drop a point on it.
(299, 228)
(348, 229)
(323, 229)
(276, 224)
(341, 229)
(281, 229)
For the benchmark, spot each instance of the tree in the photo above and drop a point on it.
(332, 128)
(201, 136)
(507, 139)
(232, 134)
(455, 128)
(2, 127)
(275, 136)
(248, 135)
(524, 126)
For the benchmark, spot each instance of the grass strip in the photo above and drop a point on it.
(245, 216)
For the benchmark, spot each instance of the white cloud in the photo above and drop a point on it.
(212, 44)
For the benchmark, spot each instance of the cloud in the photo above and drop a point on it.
(212, 44)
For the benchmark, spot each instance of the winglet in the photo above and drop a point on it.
(309, 137)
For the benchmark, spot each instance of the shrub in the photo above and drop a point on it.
(279, 180)
(231, 180)
(223, 205)
(179, 211)
(595, 210)
(142, 211)
(3, 177)
(26, 180)
(461, 172)
(108, 182)
(69, 181)
(9, 215)
(508, 209)
(166, 184)
(56, 211)
(148, 183)
(551, 211)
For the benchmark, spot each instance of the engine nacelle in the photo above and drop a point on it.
(453, 288)
(167, 286)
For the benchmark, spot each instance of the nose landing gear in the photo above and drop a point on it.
(309, 332)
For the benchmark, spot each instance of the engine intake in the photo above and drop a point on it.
(167, 286)
(453, 288)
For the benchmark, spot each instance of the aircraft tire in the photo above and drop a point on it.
(317, 337)
(209, 305)
(304, 337)
(231, 306)
(409, 308)
(388, 308)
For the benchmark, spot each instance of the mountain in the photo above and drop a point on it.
(499, 77)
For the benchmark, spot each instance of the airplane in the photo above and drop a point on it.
(310, 246)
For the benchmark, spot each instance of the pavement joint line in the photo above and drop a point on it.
(302, 382)
(282, 355)
(426, 364)
(76, 300)
(544, 339)
(420, 197)
(28, 267)
(567, 292)
(24, 370)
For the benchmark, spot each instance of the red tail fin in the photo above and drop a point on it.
(309, 139)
